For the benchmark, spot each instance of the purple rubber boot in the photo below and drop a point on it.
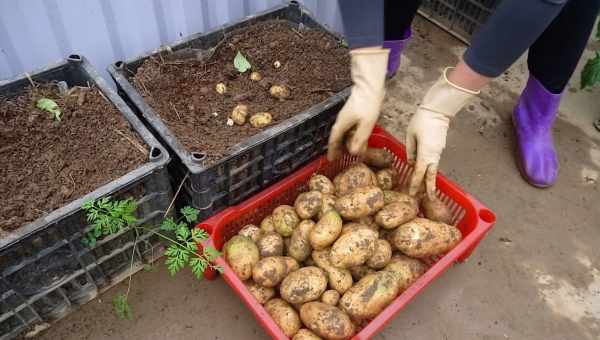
(396, 47)
(533, 119)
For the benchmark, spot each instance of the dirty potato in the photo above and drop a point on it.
(353, 248)
(269, 271)
(304, 285)
(242, 255)
(422, 238)
(369, 222)
(352, 226)
(308, 204)
(387, 178)
(239, 114)
(267, 224)
(261, 119)
(256, 76)
(339, 279)
(360, 202)
(327, 205)
(285, 220)
(260, 293)
(378, 158)
(330, 297)
(369, 296)
(221, 88)
(407, 269)
(251, 231)
(390, 196)
(382, 255)
(326, 231)
(322, 184)
(300, 247)
(280, 91)
(359, 272)
(436, 210)
(270, 244)
(355, 176)
(284, 316)
(395, 214)
(291, 264)
(326, 321)
(305, 334)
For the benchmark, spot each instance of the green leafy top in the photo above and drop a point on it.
(590, 75)
(241, 63)
(50, 106)
(108, 217)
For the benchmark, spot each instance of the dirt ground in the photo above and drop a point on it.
(535, 276)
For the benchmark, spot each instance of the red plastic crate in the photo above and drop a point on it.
(470, 216)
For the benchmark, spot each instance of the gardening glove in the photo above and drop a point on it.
(368, 68)
(426, 133)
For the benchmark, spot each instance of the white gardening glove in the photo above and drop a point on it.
(426, 133)
(368, 69)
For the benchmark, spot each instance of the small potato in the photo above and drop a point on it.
(260, 293)
(359, 272)
(327, 205)
(280, 91)
(395, 214)
(267, 224)
(353, 248)
(300, 247)
(305, 334)
(390, 196)
(284, 316)
(322, 184)
(285, 220)
(379, 158)
(436, 210)
(304, 285)
(355, 176)
(269, 271)
(326, 231)
(261, 119)
(239, 113)
(421, 238)
(242, 255)
(369, 296)
(270, 244)
(221, 88)
(251, 231)
(308, 204)
(387, 178)
(330, 297)
(339, 279)
(291, 264)
(255, 76)
(407, 269)
(382, 255)
(326, 321)
(360, 202)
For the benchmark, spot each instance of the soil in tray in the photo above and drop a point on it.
(182, 91)
(46, 164)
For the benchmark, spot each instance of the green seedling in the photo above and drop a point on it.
(50, 106)
(241, 63)
(590, 75)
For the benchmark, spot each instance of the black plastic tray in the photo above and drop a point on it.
(45, 268)
(258, 161)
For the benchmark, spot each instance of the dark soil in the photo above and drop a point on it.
(182, 92)
(46, 164)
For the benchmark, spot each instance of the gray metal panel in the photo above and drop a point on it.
(35, 33)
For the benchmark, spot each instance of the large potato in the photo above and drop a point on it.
(382, 255)
(251, 231)
(267, 224)
(269, 271)
(270, 244)
(326, 321)
(242, 255)
(359, 272)
(360, 202)
(327, 205)
(303, 285)
(407, 269)
(369, 296)
(330, 297)
(305, 334)
(422, 238)
(387, 178)
(260, 293)
(395, 214)
(300, 247)
(355, 176)
(285, 220)
(353, 248)
(379, 158)
(436, 210)
(339, 279)
(322, 184)
(390, 196)
(326, 231)
(284, 316)
(352, 226)
(308, 204)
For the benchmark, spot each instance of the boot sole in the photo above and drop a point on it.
(520, 165)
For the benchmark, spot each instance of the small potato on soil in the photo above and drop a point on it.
(321, 183)
(221, 88)
(284, 316)
(242, 255)
(267, 224)
(326, 231)
(353, 248)
(360, 202)
(270, 244)
(260, 293)
(436, 210)
(387, 178)
(355, 176)
(305, 334)
(303, 285)
(280, 91)
(379, 158)
(285, 220)
(382, 255)
(394, 214)
(251, 231)
(239, 114)
(330, 297)
(261, 119)
(328, 322)
(255, 76)
(308, 204)
(421, 238)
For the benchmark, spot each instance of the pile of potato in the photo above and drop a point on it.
(343, 252)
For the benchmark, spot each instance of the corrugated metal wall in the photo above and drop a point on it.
(34, 33)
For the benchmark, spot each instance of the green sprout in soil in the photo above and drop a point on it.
(108, 216)
(50, 106)
(590, 75)
(241, 63)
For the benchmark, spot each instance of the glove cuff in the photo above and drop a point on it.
(446, 98)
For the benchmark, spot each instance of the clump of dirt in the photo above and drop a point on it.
(313, 65)
(46, 163)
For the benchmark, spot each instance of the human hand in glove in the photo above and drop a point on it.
(368, 68)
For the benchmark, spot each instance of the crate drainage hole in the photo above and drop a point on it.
(198, 156)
